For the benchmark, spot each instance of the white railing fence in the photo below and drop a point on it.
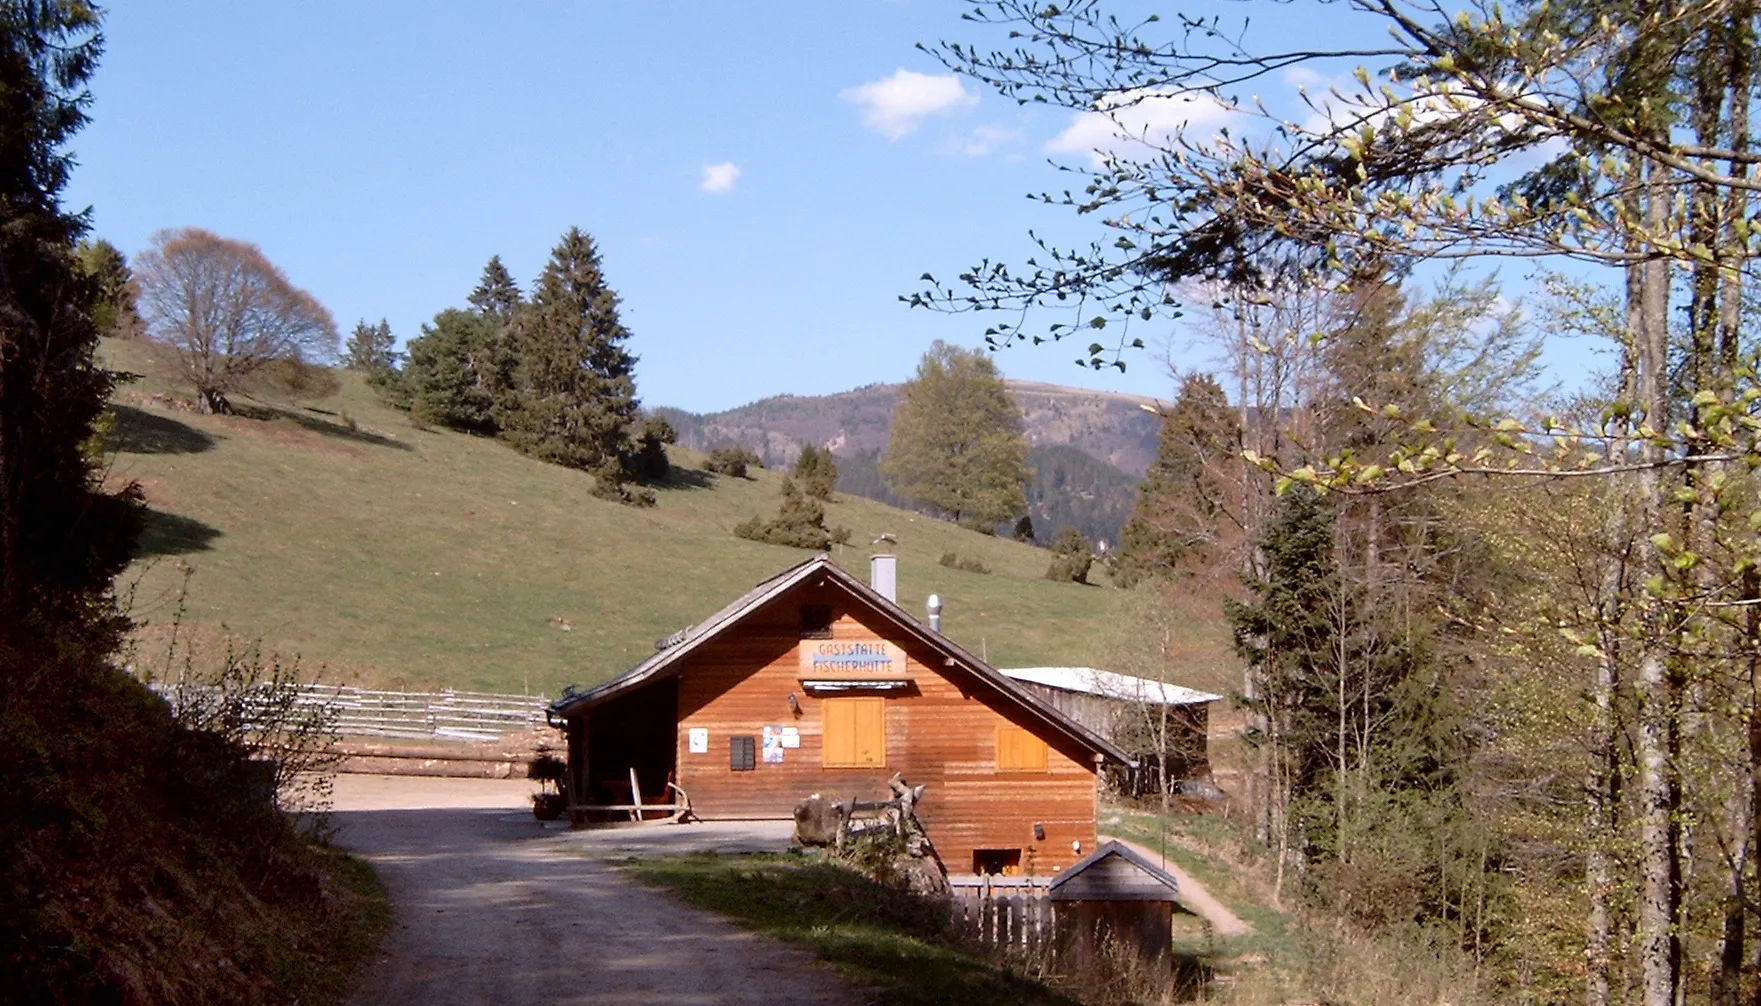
(1009, 913)
(448, 715)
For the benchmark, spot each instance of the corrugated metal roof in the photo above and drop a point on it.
(1111, 685)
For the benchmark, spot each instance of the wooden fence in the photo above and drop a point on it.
(1009, 913)
(431, 716)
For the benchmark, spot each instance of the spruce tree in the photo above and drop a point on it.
(957, 441)
(1072, 554)
(497, 295)
(369, 349)
(114, 310)
(574, 389)
(62, 535)
(816, 471)
(450, 374)
(1180, 502)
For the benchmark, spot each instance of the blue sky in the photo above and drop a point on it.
(761, 178)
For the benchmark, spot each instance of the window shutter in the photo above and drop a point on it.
(742, 754)
(1019, 750)
(854, 732)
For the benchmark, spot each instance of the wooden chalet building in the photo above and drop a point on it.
(816, 682)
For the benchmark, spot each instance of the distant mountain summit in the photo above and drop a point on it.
(1112, 427)
(1089, 448)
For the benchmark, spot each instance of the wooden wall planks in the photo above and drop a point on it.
(942, 732)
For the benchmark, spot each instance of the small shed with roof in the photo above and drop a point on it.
(816, 682)
(1157, 723)
(1115, 894)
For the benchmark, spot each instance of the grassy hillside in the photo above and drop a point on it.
(403, 557)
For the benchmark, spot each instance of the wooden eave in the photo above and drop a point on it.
(667, 661)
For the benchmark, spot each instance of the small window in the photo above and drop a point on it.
(1019, 750)
(995, 862)
(854, 732)
(742, 753)
(816, 621)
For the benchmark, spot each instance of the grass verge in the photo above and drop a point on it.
(887, 940)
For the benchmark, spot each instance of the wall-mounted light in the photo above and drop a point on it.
(1076, 846)
(794, 704)
(1039, 831)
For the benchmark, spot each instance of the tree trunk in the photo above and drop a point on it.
(1658, 944)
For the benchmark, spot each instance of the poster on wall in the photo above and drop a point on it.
(791, 737)
(699, 740)
(773, 745)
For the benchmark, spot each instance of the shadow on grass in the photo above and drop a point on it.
(173, 534)
(304, 419)
(685, 478)
(903, 946)
(141, 432)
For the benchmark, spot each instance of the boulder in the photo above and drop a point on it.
(817, 821)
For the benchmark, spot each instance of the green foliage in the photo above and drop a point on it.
(574, 398)
(456, 373)
(1180, 503)
(370, 350)
(1073, 488)
(62, 536)
(653, 435)
(731, 459)
(953, 560)
(799, 523)
(956, 442)
(1071, 557)
(816, 471)
(113, 308)
(497, 296)
(1024, 529)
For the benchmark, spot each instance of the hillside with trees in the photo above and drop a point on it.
(150, 856)
(393, 554)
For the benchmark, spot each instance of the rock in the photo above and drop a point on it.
(921, 876)
(816, 821)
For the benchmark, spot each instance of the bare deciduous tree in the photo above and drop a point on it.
(226, 313)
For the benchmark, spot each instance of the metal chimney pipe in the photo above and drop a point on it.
(883, 576)
(935, 612)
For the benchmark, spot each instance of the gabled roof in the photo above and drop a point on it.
(1111, 685)
(1161, 884)
(674, 649)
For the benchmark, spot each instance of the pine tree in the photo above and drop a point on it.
(447, 374)
(62, 536)
(816, 470)
(574, 396)
(497, 295)
(650, 463)
(113, 310)
(957, 442)
(369, 349)
(1180, 503)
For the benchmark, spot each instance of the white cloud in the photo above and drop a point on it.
(1140, 122)
(985, 139)
(720, 178)
(895, 106)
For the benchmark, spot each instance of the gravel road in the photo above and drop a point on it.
(493, 908)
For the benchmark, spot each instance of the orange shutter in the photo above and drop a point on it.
(1019, 750)
(855, 732)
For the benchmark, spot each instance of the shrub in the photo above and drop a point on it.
(968, 565)
(731, 459)
(799, 523)
(1071, 557)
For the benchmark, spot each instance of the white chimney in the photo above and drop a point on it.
(935, 612)
(883, 576)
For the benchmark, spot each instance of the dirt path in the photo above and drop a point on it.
(493, 908)
(1192, 893)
